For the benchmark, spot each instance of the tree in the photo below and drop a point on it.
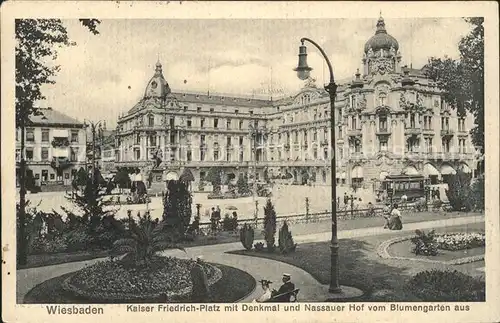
(214, 177)
(242, 184)
(177, 206)
(459, 191)
(37, 41)
(462, 80)
(122, 179)
(269, 225)
(147, 236)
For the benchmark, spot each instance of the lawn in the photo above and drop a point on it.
(234, 285)
(323, 225)
(361, 267)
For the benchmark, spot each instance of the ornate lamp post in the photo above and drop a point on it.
(255, 133)
(303, 71)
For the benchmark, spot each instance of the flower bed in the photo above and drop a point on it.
(118, 281)
(460, 241)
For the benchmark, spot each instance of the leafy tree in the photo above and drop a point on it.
(242, 184)
(37, 41)
(462, 80)
(459, 190)
(269, 224)
(177, 206)
(146, 237)
(214, 177)
(122, 179)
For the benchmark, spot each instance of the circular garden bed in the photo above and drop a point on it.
(163, 280)
(452, 248)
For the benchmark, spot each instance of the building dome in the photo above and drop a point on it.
(157, 85)
(381, 39)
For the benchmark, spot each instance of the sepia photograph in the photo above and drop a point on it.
(229, 164)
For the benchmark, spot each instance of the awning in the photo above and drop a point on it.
(60, 152)
(410, 170)
(430, 170)
(135, 177)
(60, 133)
(447, 170)
(383, 175)
(357, 172)
(172, 176)
(465, 168)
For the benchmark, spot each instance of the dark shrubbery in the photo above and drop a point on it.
(269, 225)
(247, 236)
(446, 286)
(285, 240)
(177, 206)
(424, 244)
(242, 184)
(229, 223)
(259, 246)
(458, 191)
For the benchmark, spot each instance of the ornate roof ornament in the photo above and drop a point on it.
(381, 66)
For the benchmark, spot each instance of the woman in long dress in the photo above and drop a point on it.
(267, 292)
(394, 221)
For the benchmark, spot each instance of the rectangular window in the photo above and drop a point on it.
(383, 123)
(211, 110)
(30, 135)
(52, 176)
(74, 154)
(241, 124)
(66, 175)
(412, 120)
(241, 140)
(228, 141)
(251, 111)
(189, 155)
(45, 135)
(383, 145)
(202, 123)
(228, 124)
(216, 123)
(74, 136)
(18, 155)
(198, 109)
(216, 155)
(172, 122)
(29, 153)
(189, 122)
(45, 153)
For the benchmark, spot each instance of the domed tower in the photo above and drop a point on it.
(381, 52)
(157, 86)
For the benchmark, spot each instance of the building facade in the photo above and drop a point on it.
(55, 147)
(390, 119)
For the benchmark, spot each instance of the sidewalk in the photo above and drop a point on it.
(310, 289)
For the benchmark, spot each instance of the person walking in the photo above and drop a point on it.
(395, 222)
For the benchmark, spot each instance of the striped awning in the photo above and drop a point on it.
(447, 170)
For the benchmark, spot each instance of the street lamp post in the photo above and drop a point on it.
(93, 127)
(303, 71)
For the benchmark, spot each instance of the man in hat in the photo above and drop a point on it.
(287, 287)
(201, 291)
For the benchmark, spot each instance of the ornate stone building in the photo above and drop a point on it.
(389, 119)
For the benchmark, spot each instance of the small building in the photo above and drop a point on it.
(55, 146)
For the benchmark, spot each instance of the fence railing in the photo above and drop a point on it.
(344, 213)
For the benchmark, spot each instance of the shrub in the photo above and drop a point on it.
(458, 191)
(259, 246)
(242, 184)
(424, 244)
(177, 206)
(437, 204)
(476, 196)
(285, 240)
(460, 241)
(446, 286)
(269, 225)
(247, 236)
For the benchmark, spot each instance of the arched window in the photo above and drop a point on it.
(151, 120)
(382, 99)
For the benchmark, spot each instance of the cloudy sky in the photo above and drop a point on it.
(105, 75)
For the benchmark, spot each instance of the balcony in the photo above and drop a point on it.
(428, 131)
(60, 162)
(462, 132)
(413, 131)
(287, 146)
(354, 132)
(383, 132)
(325, 142)
(60, 142)
(447, 133)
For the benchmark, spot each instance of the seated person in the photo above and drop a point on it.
(267, 292)
(287, 287)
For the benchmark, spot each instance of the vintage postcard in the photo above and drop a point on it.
(264, 161)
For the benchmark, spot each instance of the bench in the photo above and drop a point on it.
(289, 297)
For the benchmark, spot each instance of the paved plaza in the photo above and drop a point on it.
(287, 199)
(310, 288)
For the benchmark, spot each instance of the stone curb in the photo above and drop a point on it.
(382, 251)
(66, 285)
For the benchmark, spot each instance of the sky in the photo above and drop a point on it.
(104, 75)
